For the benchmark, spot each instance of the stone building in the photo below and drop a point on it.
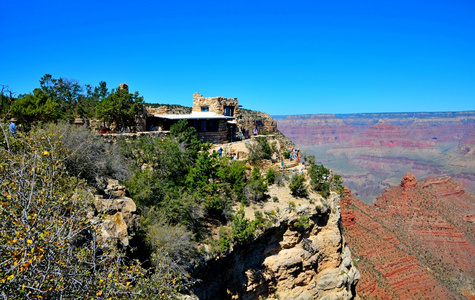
(214, 118)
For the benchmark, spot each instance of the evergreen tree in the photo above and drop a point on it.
(121, 108)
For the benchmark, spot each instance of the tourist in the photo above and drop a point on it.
(13, 127)
(255, 131)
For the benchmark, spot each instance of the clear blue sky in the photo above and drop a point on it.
(281, 57)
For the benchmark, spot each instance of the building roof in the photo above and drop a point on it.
(194, 115)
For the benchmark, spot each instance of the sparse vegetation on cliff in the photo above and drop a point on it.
(187, 197)
(50, 239)
(297, 186)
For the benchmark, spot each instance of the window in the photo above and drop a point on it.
(206, 125)
(205, 108)
(229, 111)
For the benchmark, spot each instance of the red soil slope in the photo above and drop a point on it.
(415, 242)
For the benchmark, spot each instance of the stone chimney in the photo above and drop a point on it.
(124, 86)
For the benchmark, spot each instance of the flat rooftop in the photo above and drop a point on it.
(194, 115)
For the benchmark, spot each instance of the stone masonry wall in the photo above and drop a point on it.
(161, 110)
(215, 104)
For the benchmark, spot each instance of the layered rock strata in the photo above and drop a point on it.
(372, 151)
(415, 242)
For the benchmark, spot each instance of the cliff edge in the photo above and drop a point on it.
(301, 255)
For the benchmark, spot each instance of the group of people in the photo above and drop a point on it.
(294, 154)
(244, 134)
(233, 156)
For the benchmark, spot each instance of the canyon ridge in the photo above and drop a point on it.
(373, 151)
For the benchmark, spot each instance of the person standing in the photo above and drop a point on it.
(13, 127)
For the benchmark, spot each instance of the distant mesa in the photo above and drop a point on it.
(373, 151)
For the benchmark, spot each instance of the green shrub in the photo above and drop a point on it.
(298, 187)
(225, 239)
(303, 222)
(259, 149)
(234, 173)
(242, 229)
(270, 176)
(256, 188)
(319, 179)
(292, 205)
(337, 184)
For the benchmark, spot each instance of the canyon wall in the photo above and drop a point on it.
(373, 151)
(415, 242)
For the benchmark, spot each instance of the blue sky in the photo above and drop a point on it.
(281, 57)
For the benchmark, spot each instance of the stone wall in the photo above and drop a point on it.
(161, 110)
(215, 137)
(215, 104)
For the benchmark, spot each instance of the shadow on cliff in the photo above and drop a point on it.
(230, 277)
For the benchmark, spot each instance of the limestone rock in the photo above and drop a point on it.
(121, 213)
(287, 261)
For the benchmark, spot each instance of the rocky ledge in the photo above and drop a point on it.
(302, 255)
(120, 217)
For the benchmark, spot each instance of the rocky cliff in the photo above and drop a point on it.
(301, 255)
(265, 124)
(301, 252)
(415, 242)
(120, 217)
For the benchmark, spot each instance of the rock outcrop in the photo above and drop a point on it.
(252, 119)
(415, 242)
(265, 124)
(408, 181)
(289, 260)
(120, 214)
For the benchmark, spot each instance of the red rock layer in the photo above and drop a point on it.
(416, 242)
(317, 130)
(387, 136)
(384, 146)
(469, 139)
